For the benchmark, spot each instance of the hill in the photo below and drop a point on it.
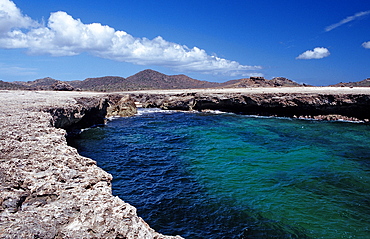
(106, 83)
(144, 80)
(150, 80)
(10, 86)
(156, 80)
(39, 84)
(46, 83)
(363, 83)
(261, 82)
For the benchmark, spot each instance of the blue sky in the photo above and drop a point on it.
(314, 42)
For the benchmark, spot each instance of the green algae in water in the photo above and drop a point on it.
(231, 176)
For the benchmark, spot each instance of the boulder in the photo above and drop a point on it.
(62, 86)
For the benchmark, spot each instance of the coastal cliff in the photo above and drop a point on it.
(321, 106)
(47, 189)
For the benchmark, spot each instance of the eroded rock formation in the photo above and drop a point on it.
(90, 111)
(298, 105)
(47, 189)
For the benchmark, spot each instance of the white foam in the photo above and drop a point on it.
(143, 111)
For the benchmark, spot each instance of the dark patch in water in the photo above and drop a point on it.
(170, 167)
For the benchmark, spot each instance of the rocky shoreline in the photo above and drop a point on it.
(48, 190)
(352, 106)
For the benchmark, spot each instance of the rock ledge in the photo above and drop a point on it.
(47, 189)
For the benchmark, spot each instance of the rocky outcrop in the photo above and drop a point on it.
(257, 81)
(62, 86)
(90, 111)
(47, 190)
(120, 106)
(299, 105)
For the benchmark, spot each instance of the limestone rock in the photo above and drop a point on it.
(304, 105)
(47, 190)
(120, 106)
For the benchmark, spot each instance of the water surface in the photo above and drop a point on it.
(211, 175)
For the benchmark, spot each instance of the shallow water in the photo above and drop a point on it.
(211, 175)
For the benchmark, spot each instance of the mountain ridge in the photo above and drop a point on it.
(153, 80)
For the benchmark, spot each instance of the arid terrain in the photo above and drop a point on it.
(48, 190)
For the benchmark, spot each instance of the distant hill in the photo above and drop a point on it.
(144, 80)
(149, 79)
(156, 80)
(39, 84)
(261, 82)
(11, 86)
(46, 83)
(106, 83)
(363, 83)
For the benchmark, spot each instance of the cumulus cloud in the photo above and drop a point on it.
(11, 17)
(366, 45)
(65, 36)
(317, 53)
(346, 20)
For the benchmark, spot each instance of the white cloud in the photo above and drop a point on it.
(346, 20)
(366, 45)
(66, 36)
(11, 17)
(317, 53)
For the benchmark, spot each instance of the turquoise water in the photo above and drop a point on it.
(211, 175)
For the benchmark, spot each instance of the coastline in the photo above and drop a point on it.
(49, 191)
(319, 103)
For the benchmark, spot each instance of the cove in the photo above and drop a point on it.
(212, 175)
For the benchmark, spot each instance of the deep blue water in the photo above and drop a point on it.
(209, 175)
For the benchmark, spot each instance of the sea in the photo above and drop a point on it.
(223, 175)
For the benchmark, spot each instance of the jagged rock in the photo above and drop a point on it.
(89, 111)
(313, 105)
(62, 86)
(47, 190)
(120, 106)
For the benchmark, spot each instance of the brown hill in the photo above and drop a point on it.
(106, 83)
(147, 79)
(46, 83)
(11, 86)
(39, 84)
(156, 80)
(363, 83)
(150, 79)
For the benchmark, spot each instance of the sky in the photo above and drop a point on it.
(317, 42)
